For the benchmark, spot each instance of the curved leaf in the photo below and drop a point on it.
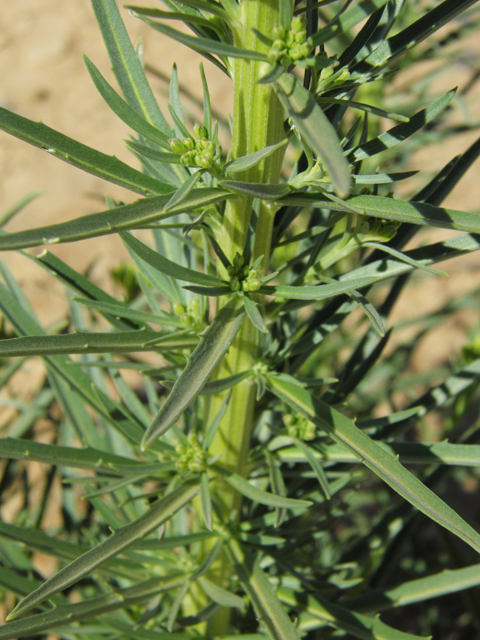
(316, 129)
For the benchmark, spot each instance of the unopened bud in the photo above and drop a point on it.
(200, 132)
(177, 145)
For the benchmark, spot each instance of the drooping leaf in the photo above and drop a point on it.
(316, 130)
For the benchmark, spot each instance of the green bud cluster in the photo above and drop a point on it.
(191, 317)
(290, 45)
(330, 78)
(299, 427)
(191, 456)
(374, 230)
(242, 278)
(198, 151)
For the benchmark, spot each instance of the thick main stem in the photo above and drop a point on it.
(257, 122)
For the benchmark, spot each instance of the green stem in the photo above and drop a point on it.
(257, 122)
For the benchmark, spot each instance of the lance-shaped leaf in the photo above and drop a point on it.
(259, 495)
(252, 159)
(262, 595)
(434, 586)
(319, 292)
(386, 466)
(407, 452)
(256, 189)
(430, 22)
(205, 45)
(129, 216)
(168, 267)
(86, 458)
(124, 111)
(340, 617)
(79, 155)
(117, 342)
(121, 539)
(127, 65)
(316, 129)
(420, 213)
(213, 345)
(68, 614)
(402, 131)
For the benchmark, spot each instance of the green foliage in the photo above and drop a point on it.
(267, 477)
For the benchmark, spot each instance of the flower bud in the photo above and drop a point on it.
(177, 145)
(204, 160)
(200, 132)
(188, 143)
(179, 309)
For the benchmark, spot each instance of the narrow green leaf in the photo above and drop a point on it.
(115, 342)
(182, 192)
(214, 425)
(86, 458)
(316, 466)
(120, 310)
(121, 539)
(214, 343)
(206, 500)
(415, 33)
(318, 292)
(205, 45)
(68, 614)
(258, 495)
(126, 64)
(124, 111)
(347, 20)
(467, 455)
(401, 132)
(221, 596)
(166, 266)
(316, 130)
(261, 594)
(386, 466)
(439, 584)
(252, 159)
(256, 189)
(217, 386)
(419, 213)
(79, 155)
(254, 314)
(383, 178)
(129, 216)
(364, 107)
(339, 617)
(208, 7)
